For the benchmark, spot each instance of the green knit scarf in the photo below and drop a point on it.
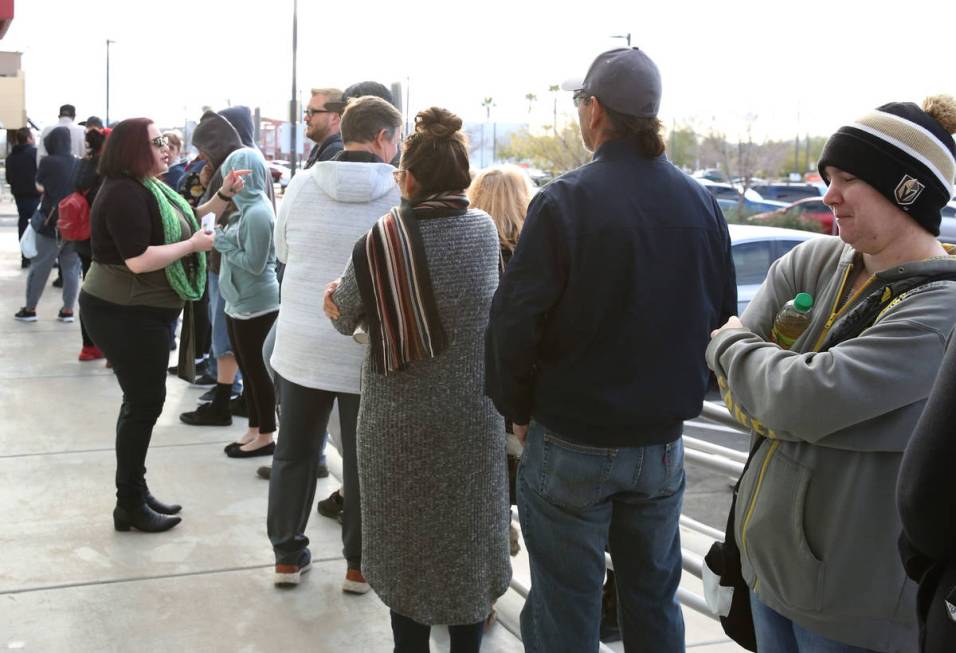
(187, 275)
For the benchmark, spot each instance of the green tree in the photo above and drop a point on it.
(682, 147)
(531, 98)
(553, 154)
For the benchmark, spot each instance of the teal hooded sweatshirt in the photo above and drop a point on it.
(247, 277)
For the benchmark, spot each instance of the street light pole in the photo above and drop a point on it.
(108, 42)
(623, 36)
(293, 109)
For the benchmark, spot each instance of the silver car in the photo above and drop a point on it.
(754, 248)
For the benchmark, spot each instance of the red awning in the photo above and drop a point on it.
(6, 16)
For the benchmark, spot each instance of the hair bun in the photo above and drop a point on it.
(437, 123)
(943, 109)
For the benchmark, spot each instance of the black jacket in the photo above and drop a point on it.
(599, 327)
(22, 171)
(326, 151)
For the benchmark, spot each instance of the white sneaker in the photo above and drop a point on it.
(355, 582)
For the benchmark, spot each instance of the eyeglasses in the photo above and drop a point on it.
(399, 175)
(160, 141)
(580, 97)
(311, 112)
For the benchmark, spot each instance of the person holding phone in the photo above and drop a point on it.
(148, 259)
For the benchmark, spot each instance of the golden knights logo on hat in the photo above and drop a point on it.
(907, 191)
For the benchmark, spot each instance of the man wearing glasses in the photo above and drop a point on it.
(322, 125)
(595, 351)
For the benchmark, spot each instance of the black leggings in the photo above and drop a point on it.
(412, 637)
(86, 259)
(246, 337)
(134, 339)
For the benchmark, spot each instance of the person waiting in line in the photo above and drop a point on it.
(503, 192)
(595, 352)
(55, 180)
(247, 281)
(927, 507)
(816, 517)
(21, 174)
(177, 167)
(323, 213)
(148, 258)
(88, 181)
(421, 283)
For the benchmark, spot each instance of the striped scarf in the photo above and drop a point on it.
(392, 272)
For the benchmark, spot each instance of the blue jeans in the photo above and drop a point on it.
(220, 335)
(778, 634)
(574, 501)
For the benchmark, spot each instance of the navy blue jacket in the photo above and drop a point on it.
(599, 326)
(22, 170)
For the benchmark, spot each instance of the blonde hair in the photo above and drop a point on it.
(503, 192)
(175, 138)
(333, 94)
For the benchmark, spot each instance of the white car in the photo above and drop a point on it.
(754, 248)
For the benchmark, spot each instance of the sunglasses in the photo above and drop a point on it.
(311, 112)
(580, 97)
(160, 141)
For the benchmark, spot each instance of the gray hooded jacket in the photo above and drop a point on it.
(816, 516)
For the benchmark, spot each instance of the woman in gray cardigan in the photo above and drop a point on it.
(421, 283)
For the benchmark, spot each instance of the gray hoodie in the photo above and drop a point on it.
(816, 520)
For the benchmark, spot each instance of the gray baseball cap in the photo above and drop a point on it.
(624, 79)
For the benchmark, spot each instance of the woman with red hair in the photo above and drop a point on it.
(148, 259)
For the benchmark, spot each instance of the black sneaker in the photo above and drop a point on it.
(204, 380)
(25, 316)
(58, 282)
(63, 316)
(206, 415)
(331, 507)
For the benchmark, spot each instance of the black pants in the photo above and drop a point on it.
(412, 637)
(246, 337)
(304, 420)
(86, 259)
(134, 339)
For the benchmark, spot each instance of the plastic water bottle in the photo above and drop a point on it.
(792, 320)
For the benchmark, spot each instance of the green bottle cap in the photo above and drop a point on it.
(803, 302)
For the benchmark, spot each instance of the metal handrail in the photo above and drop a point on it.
(718, 463)
(718, 413)
(716, 449)
(699, 527)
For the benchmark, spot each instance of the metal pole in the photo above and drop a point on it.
(293, 109)
(108, 42)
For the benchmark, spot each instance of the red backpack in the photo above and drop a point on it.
(73, 222)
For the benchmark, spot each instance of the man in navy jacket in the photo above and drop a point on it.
(597, 340)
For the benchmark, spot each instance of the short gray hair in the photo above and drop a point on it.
(366, 116)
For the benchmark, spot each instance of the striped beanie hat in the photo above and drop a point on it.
(905, 152)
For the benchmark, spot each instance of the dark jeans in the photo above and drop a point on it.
(247, 337)
(304, 420)
(412, 637)
(26, 206)
(134, 340)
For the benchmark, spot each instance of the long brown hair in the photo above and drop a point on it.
(503, 192)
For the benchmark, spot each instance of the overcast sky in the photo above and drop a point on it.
(782, 67)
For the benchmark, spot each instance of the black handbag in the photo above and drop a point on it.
(723, 559)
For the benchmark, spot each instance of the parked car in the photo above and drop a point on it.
(281, 173)
(810, 208)
(728, 197)
(754, 248)
(787, 192)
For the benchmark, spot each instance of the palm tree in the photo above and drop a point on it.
(487, 103)
(531, 98)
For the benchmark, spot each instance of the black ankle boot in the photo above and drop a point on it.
(143, 519)
(162, 508)
(215, 413)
